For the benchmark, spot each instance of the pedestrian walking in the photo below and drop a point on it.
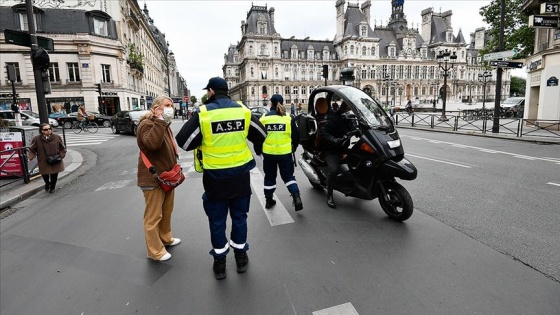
(155, 141)
(220, 129)
(281, 141)
(50, 152)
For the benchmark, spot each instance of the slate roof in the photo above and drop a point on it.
(253, 16)
(55, 21)
(231, 52)
(353, 17)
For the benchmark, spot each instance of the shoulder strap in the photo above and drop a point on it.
(147, 162)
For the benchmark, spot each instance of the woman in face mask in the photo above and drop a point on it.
(156, 141)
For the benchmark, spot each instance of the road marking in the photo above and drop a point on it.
(73, 140)
(278, 214)
(114, 185)
(440, 161)
(342, 309)
(531, 158)
(554, 184)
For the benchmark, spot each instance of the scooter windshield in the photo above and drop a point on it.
(369, 109)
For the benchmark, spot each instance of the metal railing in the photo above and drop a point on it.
(482, 123)
(7, 157)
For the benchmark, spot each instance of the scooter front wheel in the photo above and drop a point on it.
(398, 205)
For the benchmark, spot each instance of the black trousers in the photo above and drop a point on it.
(333, 162)
(50, 180)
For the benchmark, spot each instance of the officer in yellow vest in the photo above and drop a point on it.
(281, 141)
(220, 128)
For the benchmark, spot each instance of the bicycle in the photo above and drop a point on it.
(90, 126)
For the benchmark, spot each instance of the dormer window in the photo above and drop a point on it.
(99, 24)
(294, 52)
(21, 9)
(364, 31)
(326, 53)
(310, 52)
(262, 26)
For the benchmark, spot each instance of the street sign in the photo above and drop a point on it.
(501, 55)
(186, 98)
(265, 95)
(24, 39)
(543, 21)
(505, 64)
(549, 8)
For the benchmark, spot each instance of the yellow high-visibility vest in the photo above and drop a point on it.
(279, 138)
(224, 134)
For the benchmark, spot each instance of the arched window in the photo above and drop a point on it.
(373, 51)
(250, 50)
(351, 49)
(263, 49)
(364, 51)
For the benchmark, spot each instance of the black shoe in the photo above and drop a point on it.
(297, 201)
(241, 259)
(51, 190)
(220, 268)
(330, 201)
(269, 202)
(47, 188)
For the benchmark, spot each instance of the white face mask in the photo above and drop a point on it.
(168, 113)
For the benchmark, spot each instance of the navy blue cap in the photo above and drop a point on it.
(277, 98)
(217, 83)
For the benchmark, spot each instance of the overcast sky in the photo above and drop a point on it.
(200, 32)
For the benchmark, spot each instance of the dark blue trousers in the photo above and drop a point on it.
(284, 163)
(217, 212)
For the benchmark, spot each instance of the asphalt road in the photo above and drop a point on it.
(482, 240)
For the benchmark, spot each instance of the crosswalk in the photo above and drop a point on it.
(87, 139)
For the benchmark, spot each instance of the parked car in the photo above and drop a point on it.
(126, 121)
(513, 107)
(259, 111)
(99, 119)
(27, 118)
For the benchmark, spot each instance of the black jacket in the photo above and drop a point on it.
(333, 132)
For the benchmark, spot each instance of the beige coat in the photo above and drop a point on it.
(41, 148)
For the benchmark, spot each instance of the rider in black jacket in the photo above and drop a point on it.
(334, 143)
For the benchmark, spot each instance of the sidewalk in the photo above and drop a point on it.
(17, 190)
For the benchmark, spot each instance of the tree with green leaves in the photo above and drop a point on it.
(204, 98)
(517, 86)
(517, 33)
(193, 99)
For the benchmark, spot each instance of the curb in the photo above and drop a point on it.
(27, 190)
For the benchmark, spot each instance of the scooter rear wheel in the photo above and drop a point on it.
(399, 207)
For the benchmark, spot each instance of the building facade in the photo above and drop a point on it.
(392, 63)
(112, 43)
(542, 93)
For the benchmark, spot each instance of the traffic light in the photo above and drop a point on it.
(98, 88)
(325, 71)
(40, 59)
(264, 90)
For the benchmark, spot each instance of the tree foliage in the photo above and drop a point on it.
(517, 86)
(204, 98)
(193, 99)
(517, 33)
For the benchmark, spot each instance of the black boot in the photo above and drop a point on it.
(297, 201)
(220, 268)
(47, 187)
(330, 201)
(269, 202)
(241, 259)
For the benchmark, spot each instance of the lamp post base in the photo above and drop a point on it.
(443, 118)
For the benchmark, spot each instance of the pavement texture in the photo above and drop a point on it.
(13, 191)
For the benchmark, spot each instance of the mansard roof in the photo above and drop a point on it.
(256, 14)
(55, 21)
(460, 39)
(303, 44)
(231, 52)
(386, 36)
(352, 19)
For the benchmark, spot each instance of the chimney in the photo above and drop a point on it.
(271, 13)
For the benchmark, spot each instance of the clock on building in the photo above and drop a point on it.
(409, 51)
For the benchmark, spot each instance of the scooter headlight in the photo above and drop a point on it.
(394, 143)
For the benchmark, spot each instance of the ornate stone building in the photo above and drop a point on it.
(112, 43)
(392, 62)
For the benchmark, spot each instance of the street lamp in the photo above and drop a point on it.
(484, 78)
(386, 80)
(167, 64)
(445, 61)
